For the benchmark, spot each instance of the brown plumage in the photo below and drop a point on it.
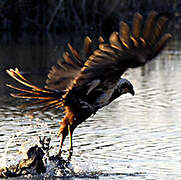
(84, 84)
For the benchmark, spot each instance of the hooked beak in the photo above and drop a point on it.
(132, 92)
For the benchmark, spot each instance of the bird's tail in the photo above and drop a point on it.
(44, 98)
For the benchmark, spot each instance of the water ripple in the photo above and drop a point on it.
(133, 138)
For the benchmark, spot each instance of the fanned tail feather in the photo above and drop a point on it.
(46, 98)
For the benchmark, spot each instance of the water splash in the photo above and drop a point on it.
(3, 160)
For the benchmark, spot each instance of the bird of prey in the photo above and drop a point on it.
(82, 84)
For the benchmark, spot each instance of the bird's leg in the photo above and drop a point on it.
(61, 144)
(65, 128)
(63, 131)
(70, 142)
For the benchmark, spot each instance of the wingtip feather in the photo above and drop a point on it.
(124, 34)
(149, 24)
(162, 43)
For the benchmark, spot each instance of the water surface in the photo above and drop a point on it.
(133, 138)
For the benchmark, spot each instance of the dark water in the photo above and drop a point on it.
(133, 138)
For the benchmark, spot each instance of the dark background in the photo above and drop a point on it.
(35, 33)
(43, 16)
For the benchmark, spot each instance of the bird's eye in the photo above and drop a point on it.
(126, 90)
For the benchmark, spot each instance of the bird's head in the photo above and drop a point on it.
(125, 86)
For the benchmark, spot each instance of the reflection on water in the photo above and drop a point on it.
(135, 137)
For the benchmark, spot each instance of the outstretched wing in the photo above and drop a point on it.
(66, 70)
(125, 50)
(44, 98)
